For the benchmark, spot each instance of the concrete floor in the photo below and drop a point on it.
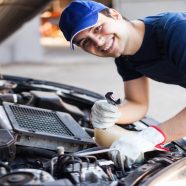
(100, 75)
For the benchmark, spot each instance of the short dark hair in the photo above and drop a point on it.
(106, 12)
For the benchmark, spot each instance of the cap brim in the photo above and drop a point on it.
(89, 22)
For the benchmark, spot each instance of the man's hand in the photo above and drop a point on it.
(132, 146)
(103, 114)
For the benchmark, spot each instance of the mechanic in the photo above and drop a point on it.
(153, 47)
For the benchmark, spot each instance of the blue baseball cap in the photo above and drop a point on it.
(78, 16)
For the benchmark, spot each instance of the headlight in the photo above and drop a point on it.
(172, 175)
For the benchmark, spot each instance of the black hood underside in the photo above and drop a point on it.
(14, 13)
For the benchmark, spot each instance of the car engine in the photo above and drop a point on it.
(46, 138)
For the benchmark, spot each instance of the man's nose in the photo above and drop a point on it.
(98, 40)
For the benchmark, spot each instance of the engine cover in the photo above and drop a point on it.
(44, 128)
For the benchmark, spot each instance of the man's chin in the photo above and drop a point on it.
(108, 55)
(114, 55)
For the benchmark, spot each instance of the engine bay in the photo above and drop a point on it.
(46, 138)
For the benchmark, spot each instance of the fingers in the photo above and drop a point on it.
(104, 115)
(130, 147)
(105, 106)
(103, 122)
(102, 119)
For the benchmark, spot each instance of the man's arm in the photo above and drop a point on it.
(136, 101)
(134, 108)
(175, 127)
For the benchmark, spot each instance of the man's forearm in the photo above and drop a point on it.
(131, 112)
(175, 127)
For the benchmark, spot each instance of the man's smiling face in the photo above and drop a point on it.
(108, 38)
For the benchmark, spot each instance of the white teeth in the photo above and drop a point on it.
(108, 45)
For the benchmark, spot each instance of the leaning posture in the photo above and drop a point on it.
(153, 47)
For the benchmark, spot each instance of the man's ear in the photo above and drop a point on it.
(115, 14)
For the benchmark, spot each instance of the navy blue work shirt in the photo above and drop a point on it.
(162, 55)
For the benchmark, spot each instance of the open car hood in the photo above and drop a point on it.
(46, 138)
(14, 13)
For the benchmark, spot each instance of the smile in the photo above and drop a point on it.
(108, 45)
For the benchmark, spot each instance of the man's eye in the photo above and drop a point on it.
(85, 42)
(98, 29)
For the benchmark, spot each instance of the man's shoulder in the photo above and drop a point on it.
(166, 19)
